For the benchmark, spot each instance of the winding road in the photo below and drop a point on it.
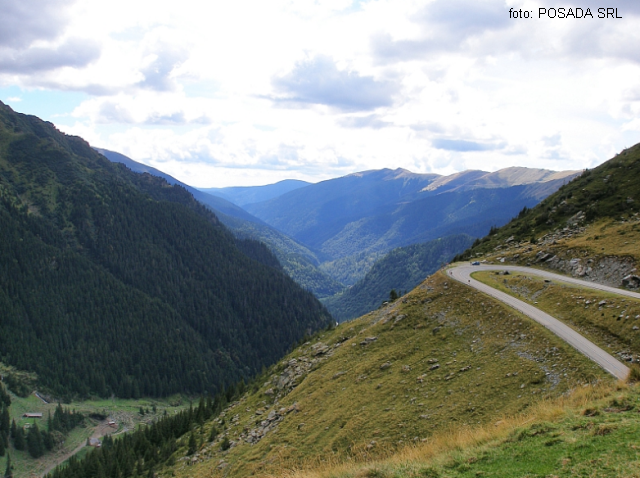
(462, 273)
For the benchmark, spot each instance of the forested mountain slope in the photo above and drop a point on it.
(297, 260)
(116, 282)
(401, 270)
(375, 211)
(216, 203)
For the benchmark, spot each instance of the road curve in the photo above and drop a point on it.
(462, 273)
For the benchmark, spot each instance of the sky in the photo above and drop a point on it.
(250, 92)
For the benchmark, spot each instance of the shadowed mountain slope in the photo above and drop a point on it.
(297, 260)
(113, 282)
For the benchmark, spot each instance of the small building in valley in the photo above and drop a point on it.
(32, 415)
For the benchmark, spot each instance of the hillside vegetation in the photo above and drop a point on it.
(119, 283)
(297, 260)
(439, 357)
(446, 381)
(609, 192)
(402, 269)
(375, 211)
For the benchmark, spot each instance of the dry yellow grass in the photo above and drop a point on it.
(460, 441)
(492, 361)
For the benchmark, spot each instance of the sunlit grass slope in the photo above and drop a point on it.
(590, 432)
(442, 358)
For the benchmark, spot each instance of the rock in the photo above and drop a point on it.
(631, 281)
(406, 369)
(602, 303)
(269, 392)
(339, 374)
(399, 318)
(368, 340)
(319, 349)
(385, 366)
(434, 367)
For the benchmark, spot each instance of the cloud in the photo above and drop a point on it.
(553, 140)
(111, 112)
(464, 146)
(318, 81)
(75, 53)
(22, 22)
(370, 121)
(157, 75)
(446, 25)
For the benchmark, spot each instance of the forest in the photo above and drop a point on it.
(113, 282)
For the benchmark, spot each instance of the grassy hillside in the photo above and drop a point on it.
(609, 192)
(401, 270)
(441, 356)
(591, 431)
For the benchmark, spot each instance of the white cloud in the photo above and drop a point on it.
(293, 88)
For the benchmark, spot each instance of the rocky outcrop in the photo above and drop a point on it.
(609, 270)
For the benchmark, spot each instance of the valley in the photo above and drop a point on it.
(123, 288)
(124, 413)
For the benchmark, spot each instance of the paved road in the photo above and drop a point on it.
(608, 362)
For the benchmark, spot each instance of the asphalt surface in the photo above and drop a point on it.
(606, 361)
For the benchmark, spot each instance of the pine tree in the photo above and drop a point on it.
(2, 450)
(8, 472)
(18, 439)
(5, 422)
(34, 442)
(193, 445)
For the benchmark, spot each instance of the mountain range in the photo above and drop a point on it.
(329, 235)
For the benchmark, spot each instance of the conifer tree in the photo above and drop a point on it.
(18, 438)
(2, 450)
(8, 472)
(193, 445)
(5, 422)
(35, 446)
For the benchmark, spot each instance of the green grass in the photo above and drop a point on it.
(125, 412)
(493, 363)
(607, 192)
(610, 326)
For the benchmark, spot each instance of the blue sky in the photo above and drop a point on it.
(248, 92)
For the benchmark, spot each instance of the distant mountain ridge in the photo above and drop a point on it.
(512, 176)
(215, 202)
(242, 195)
(378, 210)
